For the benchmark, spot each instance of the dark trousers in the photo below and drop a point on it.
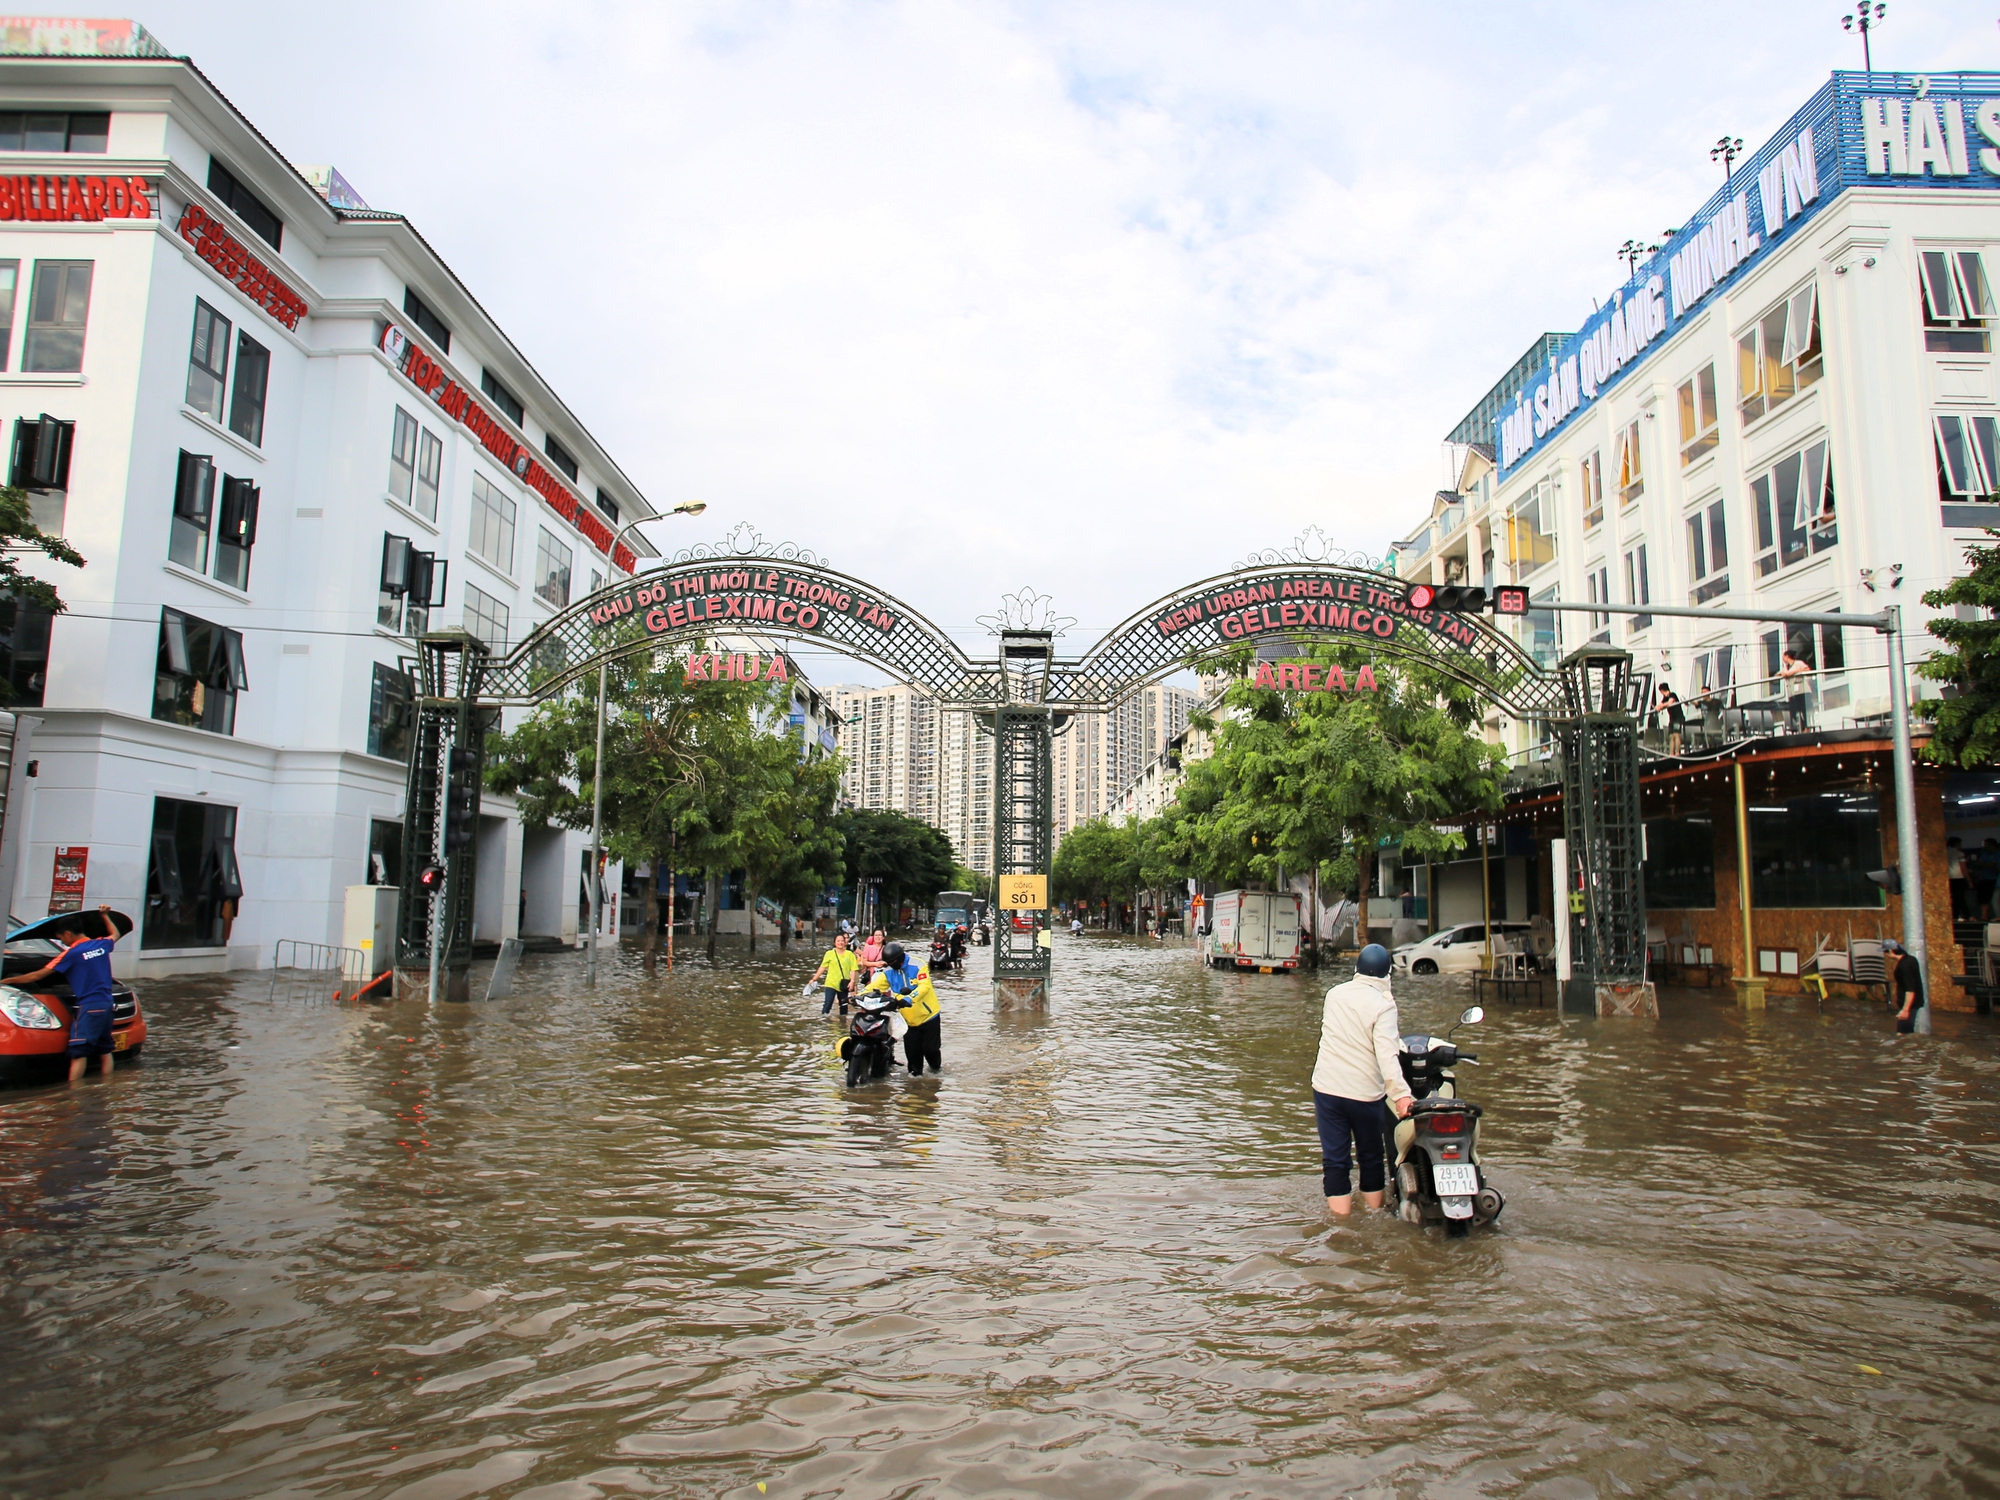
(920, 1046)
(833, 994)
(1338, 1119)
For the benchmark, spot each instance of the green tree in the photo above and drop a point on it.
(1318, 782)
(905, 854)
(786, 840)
(1096, 861)
(1968, 725)
(19, 536)
(965, 878)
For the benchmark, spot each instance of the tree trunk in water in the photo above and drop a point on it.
(784, 927)
(710, 900)
(651, 913)
(1367, 881)
(750, 891)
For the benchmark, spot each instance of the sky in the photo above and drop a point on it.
(1092, 298)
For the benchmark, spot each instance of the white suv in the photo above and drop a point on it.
(1461, 949)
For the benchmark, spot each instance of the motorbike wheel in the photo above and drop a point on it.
(856, 1061)
(1411, 1211)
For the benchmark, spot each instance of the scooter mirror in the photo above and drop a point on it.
(1472, 1017)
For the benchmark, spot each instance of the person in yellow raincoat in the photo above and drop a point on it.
(909, 981)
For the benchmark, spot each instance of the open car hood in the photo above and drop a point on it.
(47, 927)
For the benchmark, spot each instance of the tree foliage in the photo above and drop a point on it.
(908, 856)
(1968, 725)
(1096, 861)
(1320, 781)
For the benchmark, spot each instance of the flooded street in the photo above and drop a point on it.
(641, 1241)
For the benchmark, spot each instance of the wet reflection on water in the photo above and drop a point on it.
(642, 1241)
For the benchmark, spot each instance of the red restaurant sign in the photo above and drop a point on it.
(257, 281)
(456, 402)
(61, 199)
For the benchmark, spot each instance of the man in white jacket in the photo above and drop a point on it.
(1357, 1069)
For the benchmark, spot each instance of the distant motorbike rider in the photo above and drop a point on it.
(1357, 1068)
(904, 979)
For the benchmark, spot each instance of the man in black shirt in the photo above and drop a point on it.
(1907, 987)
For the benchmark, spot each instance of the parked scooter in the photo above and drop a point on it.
(870, 1044)
(1435, 1151)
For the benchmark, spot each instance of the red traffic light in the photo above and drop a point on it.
(1454, 598)
(430, 879)
(1510, 601)
(1420, 596)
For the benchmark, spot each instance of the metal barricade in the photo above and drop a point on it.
(318, 972)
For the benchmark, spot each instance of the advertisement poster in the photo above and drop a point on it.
(66, 887)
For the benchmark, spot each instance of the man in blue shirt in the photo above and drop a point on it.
(86, 965)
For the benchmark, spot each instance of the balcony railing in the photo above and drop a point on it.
(1851, 701)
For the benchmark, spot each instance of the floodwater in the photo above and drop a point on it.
(641, 1241)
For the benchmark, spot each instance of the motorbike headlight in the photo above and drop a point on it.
(26, 1011)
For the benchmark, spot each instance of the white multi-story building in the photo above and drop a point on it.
(285, 436)
(1791, 406)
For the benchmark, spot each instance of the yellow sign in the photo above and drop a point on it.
(1024, 892)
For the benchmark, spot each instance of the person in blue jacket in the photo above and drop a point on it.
(86, 964)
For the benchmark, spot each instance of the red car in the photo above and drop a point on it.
(34, 1024)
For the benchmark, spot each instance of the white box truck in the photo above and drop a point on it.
(1254, 930)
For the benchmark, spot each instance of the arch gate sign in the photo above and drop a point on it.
(1023, 692)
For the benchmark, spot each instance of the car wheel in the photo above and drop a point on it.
(1424, 966)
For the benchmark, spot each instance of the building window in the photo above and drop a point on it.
(208, 361)
(1638, 587)
(558, 455)
(1680, 864)
(1816, 851)
(246, 406)
(606, 502)
(246, 205)
(1598, 578)
(54, 132)
(1631, 472)
(1779, 355)
(429, 322)
(10, 277)
(1958, 302)
(1542, 636)
(1531, 540)
(40, 466)
(596, 580)
(503, 398)
(1708, 554)
(1700, 422)
(385, 852)
(199, 674)
(1968, 457)
(403, 456)
(1593, 490)
(236, 532)
(486, 617)
(193, 885)
(1794, 510)
(552, 566)
(24, 651)
(1714, 675)
(391, 712)
(58, 307)
(492, 535)
(194, 505)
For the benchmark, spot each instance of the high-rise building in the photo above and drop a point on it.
(890, 737)
(1098, 755)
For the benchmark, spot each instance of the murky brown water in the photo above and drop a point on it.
(642, 1242)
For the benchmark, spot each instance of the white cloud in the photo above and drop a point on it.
(966, 296)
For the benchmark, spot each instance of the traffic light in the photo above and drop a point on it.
(1448, 598)
(1510, 601)
(461, 801)
(1891, 879)
(430, 879)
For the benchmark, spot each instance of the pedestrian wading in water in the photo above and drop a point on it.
(1356, 1080)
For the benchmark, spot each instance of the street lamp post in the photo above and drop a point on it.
(687, 508)
(1864, 19)
(1726, 151)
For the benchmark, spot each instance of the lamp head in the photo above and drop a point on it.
(690, 508)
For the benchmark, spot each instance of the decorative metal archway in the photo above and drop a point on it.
(1022, 693)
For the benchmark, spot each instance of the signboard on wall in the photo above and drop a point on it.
(1873, 130)
(66, 884)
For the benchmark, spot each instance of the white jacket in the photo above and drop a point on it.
(1358, 1043)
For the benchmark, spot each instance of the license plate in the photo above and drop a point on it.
(1455, 1179)
(1263, 968)
(120, 1041)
